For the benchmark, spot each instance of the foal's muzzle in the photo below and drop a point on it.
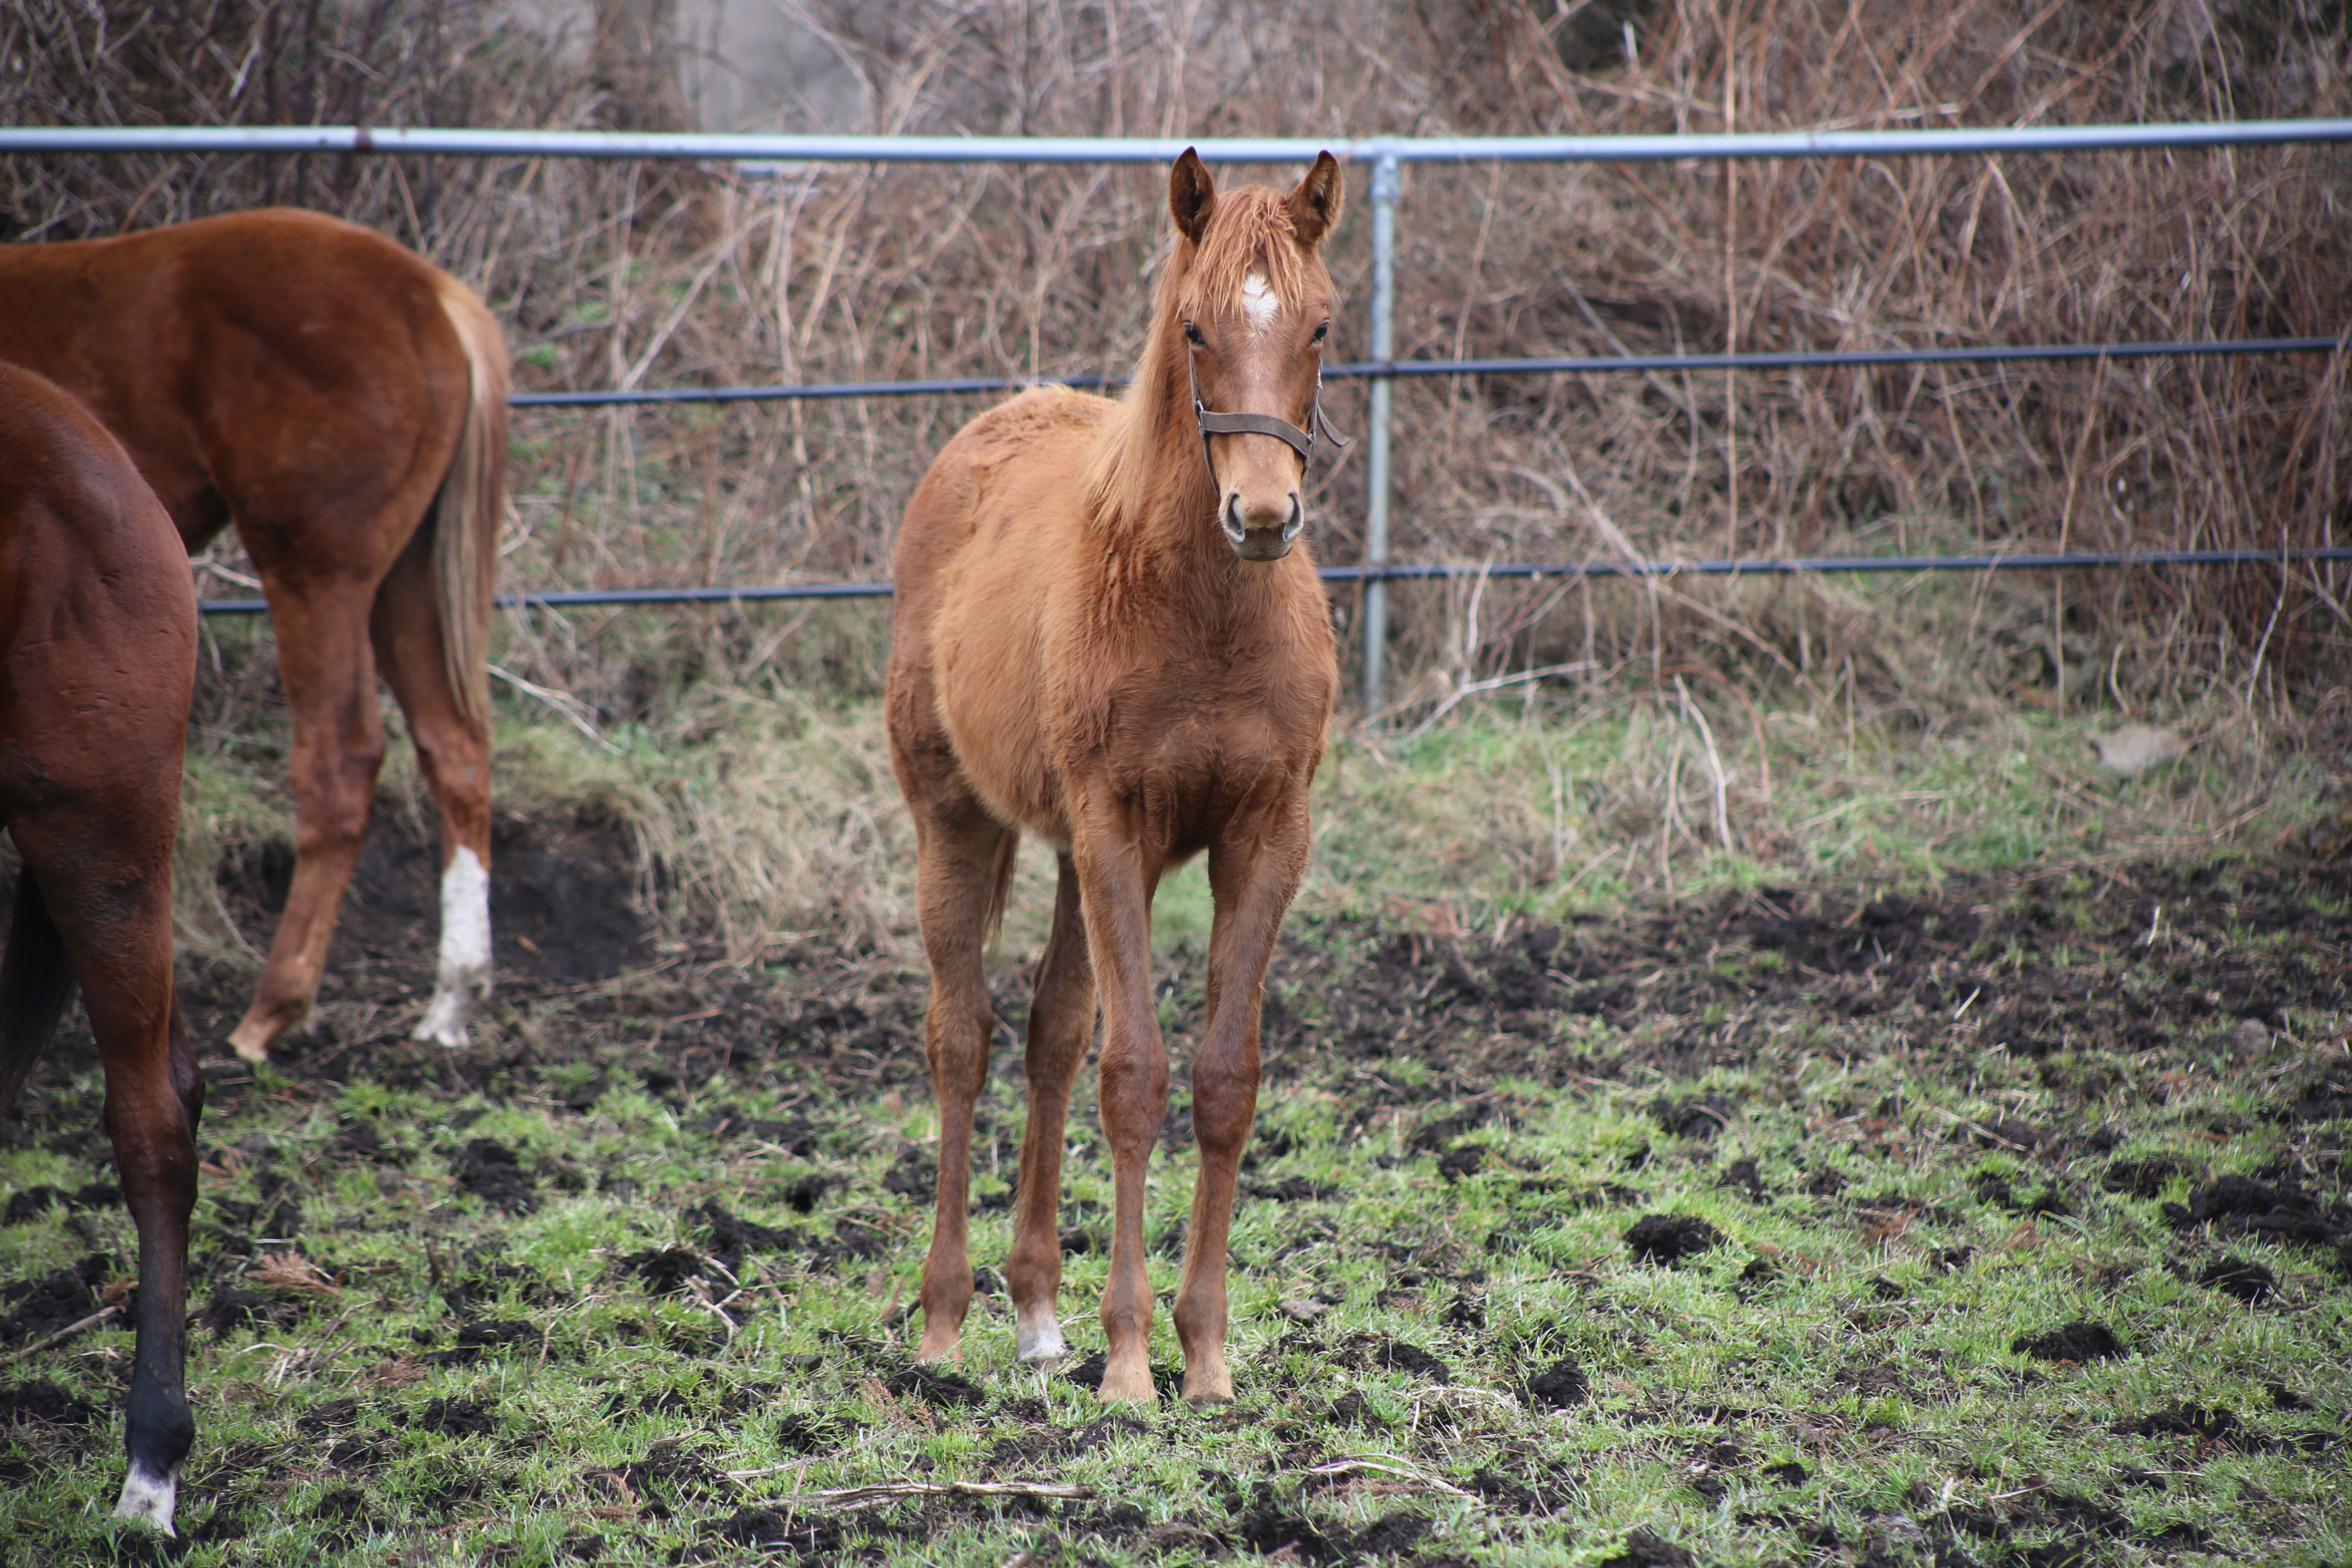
(1261, 543)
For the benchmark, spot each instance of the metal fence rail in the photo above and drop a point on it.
(1386, 156)
(703, 147)
(1409, 572)
(1367, 370)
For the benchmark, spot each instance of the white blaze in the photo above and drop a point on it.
(1259, 302)
(465, 949)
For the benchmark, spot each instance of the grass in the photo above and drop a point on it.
(1446, 1162)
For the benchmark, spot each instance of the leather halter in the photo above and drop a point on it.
(1214, 424)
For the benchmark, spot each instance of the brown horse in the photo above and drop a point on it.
(1104, 637)
(97, 658)
(344, 404)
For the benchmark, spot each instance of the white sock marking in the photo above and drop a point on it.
(148, 1498)
(465, 950)
(1259, 302)
(1037, 1337)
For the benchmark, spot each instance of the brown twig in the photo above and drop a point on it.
(893, 1491)
(65, 1333)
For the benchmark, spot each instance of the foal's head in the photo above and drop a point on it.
(1253, 305)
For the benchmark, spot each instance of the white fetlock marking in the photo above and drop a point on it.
(148, 1498)
(465, 950)
(1038, 1338)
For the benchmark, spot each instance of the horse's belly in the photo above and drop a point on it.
(991, 696)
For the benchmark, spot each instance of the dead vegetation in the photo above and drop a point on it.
(633, 276)
(637, 277)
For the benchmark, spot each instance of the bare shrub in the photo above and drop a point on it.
(628, 276)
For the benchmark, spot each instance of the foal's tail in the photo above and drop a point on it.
(1000, 882)
(472, 503)
(37, 981)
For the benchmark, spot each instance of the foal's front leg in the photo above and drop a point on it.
(1117, 884)
(1061, 1026)
(1252, 874)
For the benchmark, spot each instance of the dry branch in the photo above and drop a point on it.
(895, 1491)
(68, 1332)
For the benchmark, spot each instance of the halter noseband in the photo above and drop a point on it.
(1299, 441)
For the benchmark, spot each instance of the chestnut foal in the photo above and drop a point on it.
(1106, 635)
(97, 658)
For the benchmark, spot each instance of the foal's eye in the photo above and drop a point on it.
(1321, 333)
(1193, 335)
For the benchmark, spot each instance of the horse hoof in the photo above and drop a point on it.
(148, 1499)
(1217, 1392)
(251, 1044)
(444, 1023)
(1133, 1385)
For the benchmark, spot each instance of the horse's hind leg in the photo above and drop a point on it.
(956, 881)
(1061, 1026)
(1252, 875)
(330, 676)
(453, 743)
(106, 885)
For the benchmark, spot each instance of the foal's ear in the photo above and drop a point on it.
(1192, 197)
(1314, 206)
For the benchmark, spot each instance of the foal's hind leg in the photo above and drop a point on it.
(330, 676)
(956, 878)
(454, 746)
(1061, 1026)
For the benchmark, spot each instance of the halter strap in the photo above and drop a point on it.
(1299, 441)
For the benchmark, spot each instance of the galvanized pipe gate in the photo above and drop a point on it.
(1385, 157)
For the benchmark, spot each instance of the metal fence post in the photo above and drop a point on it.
(1376, 454)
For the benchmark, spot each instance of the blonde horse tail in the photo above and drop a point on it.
(472, 503)
(1000, 882)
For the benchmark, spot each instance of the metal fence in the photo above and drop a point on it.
(1385, 155)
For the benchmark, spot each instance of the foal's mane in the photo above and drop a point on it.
(1153, 433)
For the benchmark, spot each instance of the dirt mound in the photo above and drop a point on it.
(731, 1235)
(934, 1388)
(564, 900)
(1380, 1353)
(2247, 1281)
(1671, 1238)
(1643, 1550)
(2186, 1421)
(494, 1173)
(459, 1417)
(44, 1402)
(39, 1308)
(33, 1202)
(2281, 1212)
(1560, 1386)
(2080, 1340)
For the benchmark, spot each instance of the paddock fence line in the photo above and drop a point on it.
(1419, 571)
(1386, 155)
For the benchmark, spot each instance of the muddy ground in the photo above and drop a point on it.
(2003, 1221)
